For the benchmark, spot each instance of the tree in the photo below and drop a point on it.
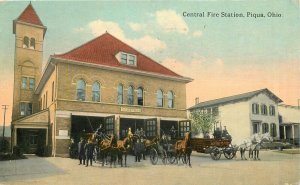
(203, 122)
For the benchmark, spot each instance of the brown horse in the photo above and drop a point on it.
(123, 147)
(183, 148)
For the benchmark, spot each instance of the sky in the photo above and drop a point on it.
(224, 55)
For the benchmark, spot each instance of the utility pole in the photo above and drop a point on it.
(5, 108)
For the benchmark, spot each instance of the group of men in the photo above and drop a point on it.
(85, 152)
(219, 134)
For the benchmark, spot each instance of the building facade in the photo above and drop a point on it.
(104, 81)
(289, 122)
(245, 114)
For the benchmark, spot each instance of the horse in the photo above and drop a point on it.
(123, 147)
(256, 144)
(183, 148)
(251, 143)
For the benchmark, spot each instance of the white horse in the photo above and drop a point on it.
(253, 144)
(257, 141)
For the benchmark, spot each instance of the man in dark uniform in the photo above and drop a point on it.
(81, 152)
(217, 133)
(172, 132)
(89, 149)
(225, 134)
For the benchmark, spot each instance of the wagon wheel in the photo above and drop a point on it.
(215, 153)
(164, 157)
(229, 152)
(171, 157)
(153, 156)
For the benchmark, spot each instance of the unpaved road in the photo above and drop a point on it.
(274, 169)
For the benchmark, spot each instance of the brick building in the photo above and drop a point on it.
(104, 81)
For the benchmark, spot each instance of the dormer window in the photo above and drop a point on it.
(127, 59)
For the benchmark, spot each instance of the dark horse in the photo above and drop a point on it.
(183, 149)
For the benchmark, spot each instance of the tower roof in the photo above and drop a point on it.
(29, 15)
(103, 49)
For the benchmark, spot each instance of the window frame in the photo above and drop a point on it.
(160, 100)
(142, 96)
(26, 42)
(272, 110)
(26, 108)
(128, 59)
(130, 95)
(82, 90)
(273, 130)
(120, 94)
(171, 99)
(265, 128)
(31, 85)
(24, 83)
(96, 91)
(255, 108)
(32, 43)
(264, 109)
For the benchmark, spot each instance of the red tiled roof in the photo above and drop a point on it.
(102, 50)
(29, 15)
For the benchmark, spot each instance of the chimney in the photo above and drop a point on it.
(196, 100)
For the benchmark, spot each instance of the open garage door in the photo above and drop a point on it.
(151, 128)
(109, 125)
(184, 126)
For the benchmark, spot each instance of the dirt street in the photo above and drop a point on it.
(273, 169)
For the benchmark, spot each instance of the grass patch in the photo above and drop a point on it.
(290, 151)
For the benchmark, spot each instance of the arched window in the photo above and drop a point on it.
(32, 43)
(130, 95)
(265, 128)
(140, 96)
(272, 110)
(120, 94)
(273, 130)
(255, 108)
(96, 92)
(170, 99)
(26, 42)
(160, 98)
(264, 109)
(81, 90)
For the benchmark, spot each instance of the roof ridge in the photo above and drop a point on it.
(256, 91)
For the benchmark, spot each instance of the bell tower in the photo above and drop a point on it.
(29, 38)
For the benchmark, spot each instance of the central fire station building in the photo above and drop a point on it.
(104, 81)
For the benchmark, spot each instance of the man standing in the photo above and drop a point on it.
(81, 152)
(89, 149)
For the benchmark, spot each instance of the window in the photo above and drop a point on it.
(26, 42)
(33, 139)
(96, 92)
(124, 58)
(215, 111)
(255, 108)
(52, 91)
(46, 100)
(32, 43)
(170, 99)
(255, 127)
(273, 130)
(160, 98)
(24, 83)
(151, 128)
(264, 110)
(265, 128)
(31, 83)
(140, 96)
(109, 125)
(81, 90)
(272, 110)
(131, 60)
(128, 59)
(184, 126)
(25, 109)
(120, 94)
(130, 95)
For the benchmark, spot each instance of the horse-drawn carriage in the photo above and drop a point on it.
(215, 147)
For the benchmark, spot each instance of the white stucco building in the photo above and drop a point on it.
(245, 114)
(289, 121)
